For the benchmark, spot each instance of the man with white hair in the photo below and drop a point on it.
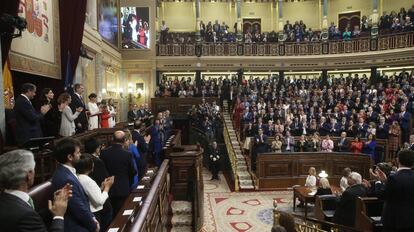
(17, 212)
(345, 210)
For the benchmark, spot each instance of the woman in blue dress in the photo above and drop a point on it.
(369, 147)
(136, 157)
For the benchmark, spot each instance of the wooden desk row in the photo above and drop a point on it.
(146, 208)
(381, 143)
(283, 170)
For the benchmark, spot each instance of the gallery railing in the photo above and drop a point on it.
(356, 45)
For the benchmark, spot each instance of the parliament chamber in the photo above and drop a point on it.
(207, 115)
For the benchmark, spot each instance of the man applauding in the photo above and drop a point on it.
(17, 211)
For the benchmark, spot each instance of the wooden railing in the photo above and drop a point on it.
(283, 170)
(232, 157)
(151, 213)
(356, 45)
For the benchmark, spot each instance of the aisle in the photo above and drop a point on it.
(225, 211)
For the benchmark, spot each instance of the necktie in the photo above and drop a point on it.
(30, 201)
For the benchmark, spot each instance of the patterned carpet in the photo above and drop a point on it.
(226, 211)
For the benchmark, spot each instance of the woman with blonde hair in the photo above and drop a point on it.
(67, 123)
(136, 158)
(311, 178)
(324, 187)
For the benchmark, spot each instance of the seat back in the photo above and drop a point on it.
(328, 202)
(40, 195)
(324, 203)
(368, 214)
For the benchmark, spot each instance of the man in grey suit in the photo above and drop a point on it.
(17, 211)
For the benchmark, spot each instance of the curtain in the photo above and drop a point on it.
(8, 7)
(72, 20)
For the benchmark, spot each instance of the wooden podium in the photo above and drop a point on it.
(186, 164)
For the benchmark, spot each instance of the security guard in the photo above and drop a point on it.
(215, 161)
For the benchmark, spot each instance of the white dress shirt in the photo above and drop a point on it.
(71, 169)
(96, 197)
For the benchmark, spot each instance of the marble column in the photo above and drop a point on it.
(91, 15)
(374, 17)
(280, 11)
(239, 21)
(99, 75)
(325, 14)
(197, 11)
(325, 33)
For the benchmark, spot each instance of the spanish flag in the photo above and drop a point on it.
(8, 86)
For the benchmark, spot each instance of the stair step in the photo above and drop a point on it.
(241, 168)
(182, 229)
(246, 187)
(246, 183)
(181, 207)
(181, 220)
(241, 163)
(244, 177)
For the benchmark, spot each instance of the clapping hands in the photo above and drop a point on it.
(60, 201)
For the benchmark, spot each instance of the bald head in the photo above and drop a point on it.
(119, 137)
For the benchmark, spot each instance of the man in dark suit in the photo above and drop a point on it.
(81, 122)
(260, 146)
(132, 113)
(17, 212)
(214, 161)
(28, 120)
(343, 143)
(383, 129)
(405, 124)
(346, 206)
(78, 217)
(119, 163)
(397, 191)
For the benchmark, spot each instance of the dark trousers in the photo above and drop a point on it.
(215, 168)
(104, 216)
(117, 203)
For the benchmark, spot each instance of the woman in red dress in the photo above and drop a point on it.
(238, 110)
(105, 117)
(357, 145)
(141, 33)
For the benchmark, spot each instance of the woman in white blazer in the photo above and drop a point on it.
(97, 195)
(94, 112)
(67, 124)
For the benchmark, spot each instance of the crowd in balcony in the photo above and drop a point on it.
(402, 21)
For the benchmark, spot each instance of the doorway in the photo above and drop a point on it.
(252, 24)
(351, 18)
